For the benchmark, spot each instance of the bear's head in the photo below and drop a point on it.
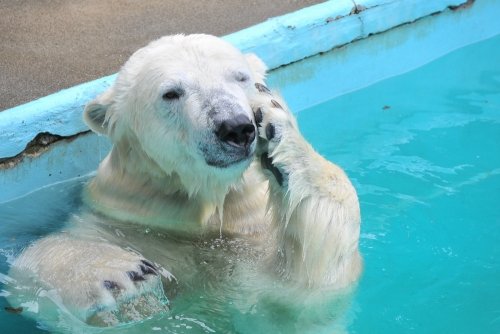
(183, 102)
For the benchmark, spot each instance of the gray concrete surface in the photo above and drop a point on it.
(49, 45)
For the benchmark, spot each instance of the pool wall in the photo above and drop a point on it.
(285, 40)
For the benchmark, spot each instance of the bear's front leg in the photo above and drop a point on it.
(98, 282)
(314, 206)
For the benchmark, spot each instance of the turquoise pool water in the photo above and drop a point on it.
(423, 150)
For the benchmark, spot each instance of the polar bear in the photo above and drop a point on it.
(202, 149)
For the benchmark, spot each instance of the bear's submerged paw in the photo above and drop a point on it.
(127, 296)
(145, 301)
(99, 283)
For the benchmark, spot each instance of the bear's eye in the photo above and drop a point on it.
(242, 77)
(173, 94)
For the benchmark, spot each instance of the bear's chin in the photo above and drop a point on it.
(229, 172)
(222, 164)
(221, 155)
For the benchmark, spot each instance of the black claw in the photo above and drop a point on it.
(270, 131)
(135, 276)
(258, 116)
(276, 104)
(148, 268)
(111, 285)
(149, 264)
(267, 163)
(261, 88)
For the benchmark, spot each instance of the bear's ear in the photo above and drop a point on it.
(95, 111)
(257, 66)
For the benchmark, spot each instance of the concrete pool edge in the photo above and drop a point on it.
(331, 24)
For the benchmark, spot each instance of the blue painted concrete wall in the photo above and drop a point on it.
(381, 56)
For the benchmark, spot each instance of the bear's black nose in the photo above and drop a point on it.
(238, 131)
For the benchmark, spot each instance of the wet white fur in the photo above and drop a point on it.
(156, 175)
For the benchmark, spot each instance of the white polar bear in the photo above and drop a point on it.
(200, 147)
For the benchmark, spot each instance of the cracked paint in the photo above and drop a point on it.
(40, 144)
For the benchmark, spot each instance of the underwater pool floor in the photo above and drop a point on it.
(423, 150)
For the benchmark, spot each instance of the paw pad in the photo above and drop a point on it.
(258, 116)
(270, 131)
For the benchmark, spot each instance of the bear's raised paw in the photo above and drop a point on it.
(277, 131)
